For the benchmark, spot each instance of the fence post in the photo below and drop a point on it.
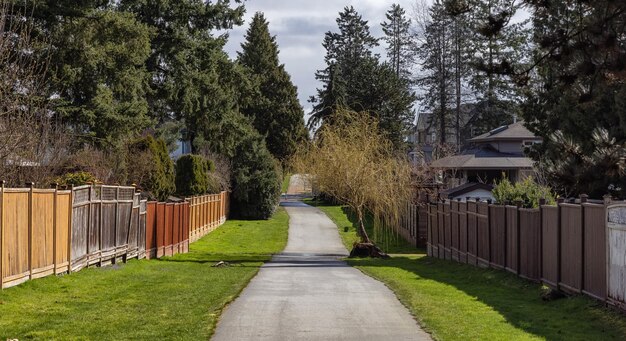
(583, 200)
(54, 227)
(518, 203)
(2, 233)
(489, 231)
(559, 201)
(69, 232)
(30, 186)
(542, 202)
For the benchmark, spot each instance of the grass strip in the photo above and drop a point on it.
(454, 301)
(179, 297)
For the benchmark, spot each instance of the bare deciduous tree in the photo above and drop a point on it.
(32, 146)
(351, 161)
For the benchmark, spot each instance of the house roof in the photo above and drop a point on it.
(515, 131)
(465, 188)
(477, 162)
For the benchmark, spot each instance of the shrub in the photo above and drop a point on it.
(193, 176)
(527, 191)
(76, 179)
(256, 182)
(150, 167)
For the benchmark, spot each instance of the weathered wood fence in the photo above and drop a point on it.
(52, 231)
(562, 246)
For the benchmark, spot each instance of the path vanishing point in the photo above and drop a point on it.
(308, 293)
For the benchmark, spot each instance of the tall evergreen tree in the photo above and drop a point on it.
(579, 92)
(400, 51)
(437, 57)
(498, 45)
(355, 79)
(274, 109)
(187, 60)
(98, 81)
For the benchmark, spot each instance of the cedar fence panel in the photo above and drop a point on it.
(441, 229)
(206, 213)
(550, 230)
(497, 236)
(34, 234)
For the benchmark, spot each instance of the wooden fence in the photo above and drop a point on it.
(51, 231)
(206, 213)
(167, 229)
(108, 224)
(562, 246)
(34, 233)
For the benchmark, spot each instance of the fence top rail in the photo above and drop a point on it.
(568, 205)
(530, 210)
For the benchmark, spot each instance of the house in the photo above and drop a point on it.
(469, 190)
(427, 134)
(491, 155)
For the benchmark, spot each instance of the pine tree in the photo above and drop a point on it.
(578, 88)
(400, 51)
(274, 109)
(437, 57)
(355, 79)
(498, 46)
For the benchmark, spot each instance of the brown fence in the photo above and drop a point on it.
(413, 225)
(167, 229)
(562, 246)
(206, 213)
(34, 233)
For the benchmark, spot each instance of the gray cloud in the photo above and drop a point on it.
(299, 27)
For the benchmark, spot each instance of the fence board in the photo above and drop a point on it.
(530, 244)
(594, 270)
(462, 232)
(497, 234)
(472, 237)
(454, 225)
(447, 247)
(483, 250)
(512, 239)
(571, 248)
(550, 245)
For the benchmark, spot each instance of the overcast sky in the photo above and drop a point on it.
(299, 27)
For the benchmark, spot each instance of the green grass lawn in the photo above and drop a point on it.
(177, 297)
(453, 301)
(285, 185)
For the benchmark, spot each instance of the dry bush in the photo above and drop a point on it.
(352, 162)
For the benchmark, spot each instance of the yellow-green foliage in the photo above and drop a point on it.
(528, 191)
(76, 179)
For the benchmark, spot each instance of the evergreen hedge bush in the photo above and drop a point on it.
(527, 191)
(193, 176)
(256, 179)
(151, 168)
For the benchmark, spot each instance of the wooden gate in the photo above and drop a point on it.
(616, 254)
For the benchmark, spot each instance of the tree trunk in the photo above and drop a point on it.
(362, 232)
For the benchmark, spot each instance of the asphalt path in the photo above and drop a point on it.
(308, 293)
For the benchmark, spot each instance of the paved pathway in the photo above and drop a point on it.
(308, 293)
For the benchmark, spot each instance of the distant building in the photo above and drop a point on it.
(491, 155)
